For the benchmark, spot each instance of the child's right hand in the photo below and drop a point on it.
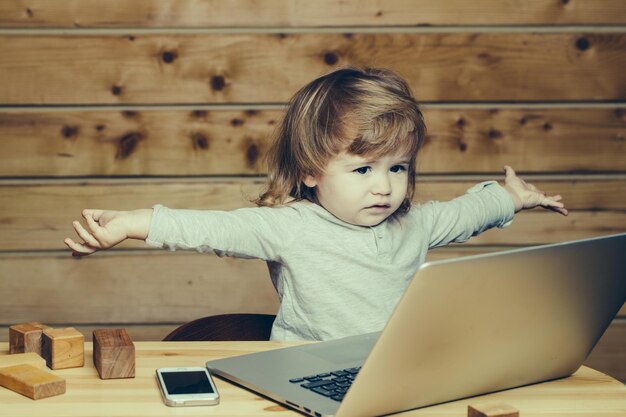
(107, 228)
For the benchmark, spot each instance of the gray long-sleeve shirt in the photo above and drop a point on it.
(333, 279)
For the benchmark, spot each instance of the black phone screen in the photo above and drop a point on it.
(195, 382)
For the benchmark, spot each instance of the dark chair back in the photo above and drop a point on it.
(225, 327)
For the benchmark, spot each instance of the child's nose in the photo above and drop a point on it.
(382, 185)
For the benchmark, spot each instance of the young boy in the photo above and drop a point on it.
(335, 224)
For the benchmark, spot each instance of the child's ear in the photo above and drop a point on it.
(310, 181)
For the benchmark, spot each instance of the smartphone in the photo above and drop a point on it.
(187, 386)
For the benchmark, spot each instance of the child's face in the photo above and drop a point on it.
(360, 190)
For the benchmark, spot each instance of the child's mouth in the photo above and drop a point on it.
(378, 207)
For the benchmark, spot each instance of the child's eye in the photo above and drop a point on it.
(398, 168)
(362, 170)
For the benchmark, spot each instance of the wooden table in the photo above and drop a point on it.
(586, 393)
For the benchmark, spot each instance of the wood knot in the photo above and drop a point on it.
(127, 144)
(564, 2)
(169, 56)
(130, 114)
(620, 113)
(116, 90)
(547, 126)
(251, 112)
(252, 154)
(462, 146)
(131, 38)
(218, 83)
(379, 13)
(199, 113)
(461, 122)
(348, 35)
(529, 117)
(100, 128)
(494, 134)
(330, 58)
(29, 12)
(582, 44)
(200, 141)
(236, 122)
(69, 132)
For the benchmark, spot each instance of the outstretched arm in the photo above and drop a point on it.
(106, 228)
(526, 196)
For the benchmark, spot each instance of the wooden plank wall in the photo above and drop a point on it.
(128, 103)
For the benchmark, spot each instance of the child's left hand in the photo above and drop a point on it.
(527, 196)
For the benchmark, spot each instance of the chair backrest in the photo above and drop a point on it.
(225, 327)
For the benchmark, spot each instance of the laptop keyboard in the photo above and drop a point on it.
(333, 385)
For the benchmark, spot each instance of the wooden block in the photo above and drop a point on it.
(26, 337)
(113, 353)
(32, 382)
(30, 358)
(492, 410)
(63, 348)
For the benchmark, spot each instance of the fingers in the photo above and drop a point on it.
(553, 203)
(92, 224)
(87, 237)
(530, 195)
(511, 178)
(561, 210)
(509, 173)
(90, 242)
(78, 249)
(93, 213)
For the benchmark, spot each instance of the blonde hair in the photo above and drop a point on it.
(363, 111)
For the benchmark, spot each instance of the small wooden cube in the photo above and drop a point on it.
(29, 358)
(63, 348)
(31, 381)
(113, 353)
(492, 410)
(26, 337)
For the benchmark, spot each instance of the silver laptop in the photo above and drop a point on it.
(464, 327)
